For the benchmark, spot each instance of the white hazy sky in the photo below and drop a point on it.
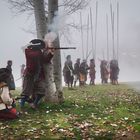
(13, 37)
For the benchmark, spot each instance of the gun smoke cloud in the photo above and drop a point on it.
(57, 26)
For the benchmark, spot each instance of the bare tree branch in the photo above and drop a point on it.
(21, 6)
(69, 6)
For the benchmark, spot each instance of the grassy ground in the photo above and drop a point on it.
(102, 112)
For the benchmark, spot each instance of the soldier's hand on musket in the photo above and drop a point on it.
(49, 47)
(51, 50)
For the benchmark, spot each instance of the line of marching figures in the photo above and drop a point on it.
(79, 72)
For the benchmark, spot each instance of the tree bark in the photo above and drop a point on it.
(40, 18)
(41, 27)
(53, 9)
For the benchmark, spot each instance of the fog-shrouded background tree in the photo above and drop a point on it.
(45, 12)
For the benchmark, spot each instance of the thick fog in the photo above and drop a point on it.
(13, 36)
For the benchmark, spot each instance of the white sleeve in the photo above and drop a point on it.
(6, 97)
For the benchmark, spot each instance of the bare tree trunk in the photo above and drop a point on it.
(58, 72)
(41, 27)
(40, 18)
(53, 9)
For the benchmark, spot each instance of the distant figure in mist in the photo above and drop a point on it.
(10, 79)
(104, 71)
(22, 72)
(83, 72)
(76, 71)
(114, 71)
(68, 71)
(92, 72)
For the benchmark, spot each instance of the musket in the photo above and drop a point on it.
(61, 48)
(18, 98)
(21, 97)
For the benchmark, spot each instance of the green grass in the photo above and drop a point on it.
(100, 112)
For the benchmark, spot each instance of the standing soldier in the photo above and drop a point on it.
(83, 72)
(22, 72)
(114, 71)
(104, 71)
(92, 72)
(76, 71)
(68, 71)
(34, 80)
(10, 80)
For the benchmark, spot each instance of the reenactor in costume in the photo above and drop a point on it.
(10, 80)
(68, 71)
(7, 103)
(114, 71)
(76, 71)
(22, 72)
(104, 71)
(83, 72)
(92, 72)
(36, 55)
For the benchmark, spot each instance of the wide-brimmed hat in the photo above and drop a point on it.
(78, 59)
(68, 56)
(36, 44)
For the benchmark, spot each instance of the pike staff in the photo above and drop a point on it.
(107, 38)
(91, 24)
(82, 35)
(96, 18)
(112, 24)
(117, 30)
(87, 36)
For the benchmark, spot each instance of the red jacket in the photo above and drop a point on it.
(35, 60)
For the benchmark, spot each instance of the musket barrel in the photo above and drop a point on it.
(62, 48)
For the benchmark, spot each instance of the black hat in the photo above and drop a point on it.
(68, 56)
(78, 59)
(37, 44)
(92, 59)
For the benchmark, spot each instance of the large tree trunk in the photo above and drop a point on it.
(53, 9)
(41, 27)
(40, 18)
(58, 72)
